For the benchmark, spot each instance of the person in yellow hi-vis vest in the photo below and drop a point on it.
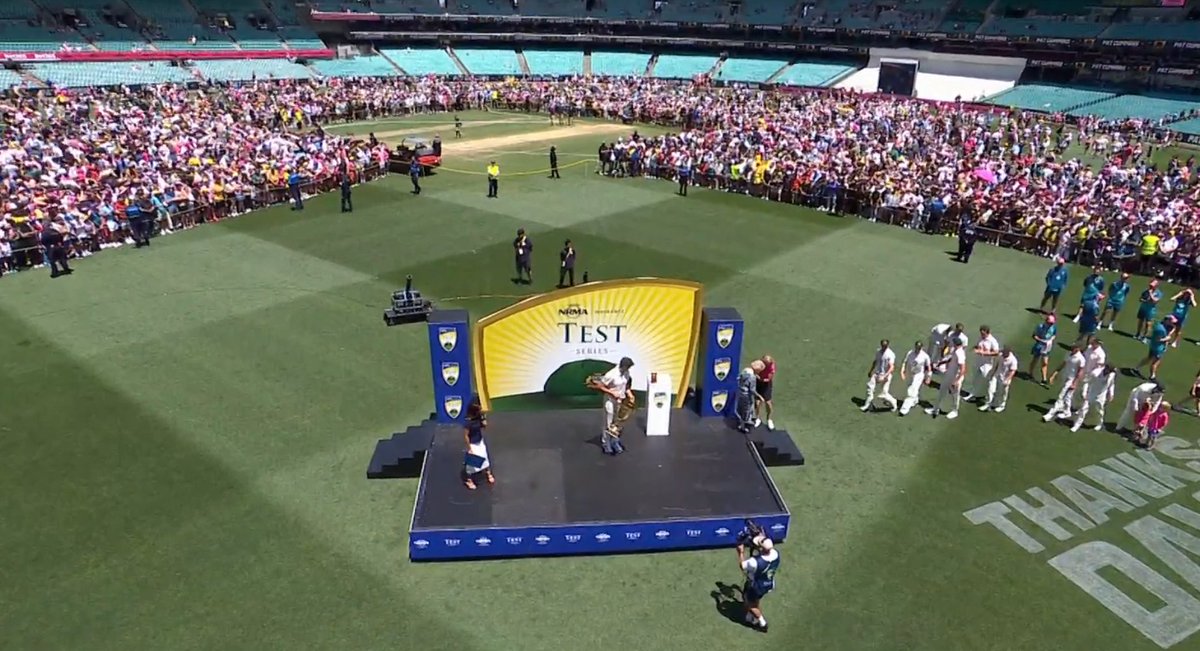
(493, 172)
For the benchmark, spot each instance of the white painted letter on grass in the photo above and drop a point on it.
(993, 514)
(1172, 623)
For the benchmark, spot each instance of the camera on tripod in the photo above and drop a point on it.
(750, 531)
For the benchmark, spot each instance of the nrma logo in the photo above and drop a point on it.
(483, 541)
(573, 311)
(722, 531)
(777, 527)
(542, 540)
(603, 537)
(421, 544)
(662, 534)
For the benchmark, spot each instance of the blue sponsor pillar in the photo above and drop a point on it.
(721, 330)
(450, 357)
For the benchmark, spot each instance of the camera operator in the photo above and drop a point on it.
(759, 567)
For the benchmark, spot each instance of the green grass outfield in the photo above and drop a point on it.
(186, 430)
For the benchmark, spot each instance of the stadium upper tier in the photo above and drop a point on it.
(423, 61)
(683, 66)
(549, 62)
(372, 66)
(750, 70)
(1053, 99)
(489, 62)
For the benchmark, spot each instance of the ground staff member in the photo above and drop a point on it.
(685, 177)
(566, 270)
(1056, 282)
(347, 205)
(51, 239)
(414, 173)
(554, 166)
(523, 250)
(493, 172)
(760, 568)
(294, 181)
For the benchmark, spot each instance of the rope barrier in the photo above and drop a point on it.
(545, 171)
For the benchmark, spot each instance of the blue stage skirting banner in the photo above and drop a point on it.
(600, 538)
(450, 357)
(721, 331)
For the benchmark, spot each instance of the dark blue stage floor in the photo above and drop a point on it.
(558, 494)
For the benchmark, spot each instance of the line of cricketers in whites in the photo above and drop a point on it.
(1086, 372)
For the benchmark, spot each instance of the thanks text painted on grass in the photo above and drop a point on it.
(1077, 507)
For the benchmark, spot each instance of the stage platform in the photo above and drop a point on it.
(558, 494)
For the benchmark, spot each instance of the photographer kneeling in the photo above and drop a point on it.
(760, 567)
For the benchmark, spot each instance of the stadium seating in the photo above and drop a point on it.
(1138, 106)
(424, 61)
(812, 74)
(1052, 99)
(19, 36)
(8, 79)
(752, 70)
(306, 44)
(260, 44)
(202, 44)
(854, 14)
(619, 64)
(1154, 31)
(551, 62)
(1191, 126)
(696, 11)
(96, 28)
(369, 66)
(75, 75)
(242, 70)
(683, 66)
(765, 12)
(489, 62)
(1037, 26)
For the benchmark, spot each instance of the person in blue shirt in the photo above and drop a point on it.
(1117, 293)
(1184, 301)
(414, 173)
(1056, 282)
(1147, 310)
(1089, 319)
(1159, 337)
(685, 176)
(760, 568)
(1043, 343)
(294, 181)
(1093, 286)
(139, 224)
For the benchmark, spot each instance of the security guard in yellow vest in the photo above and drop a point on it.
(493, 172)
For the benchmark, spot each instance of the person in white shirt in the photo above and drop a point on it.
(916, 370)
(613, 384)
(879, 377)
(1071, 369)
(1151, 392)
(986, 353)
(955, 365)
(939, 340)
(1098, 390)
(1003, 372)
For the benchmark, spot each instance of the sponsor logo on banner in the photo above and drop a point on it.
(421, 544)
(452, 405)
(632, 535)
(542, 539)
(777, 527)
(602, 537)
(547, 346)
(725, 335)
(448, 338)
(483, 541)
(694, 533)
(452, 542)
(514, 540)
(718, 400)
(573, 537)
(450, 373)
(721, 367)
(662, 534)
(722, 531)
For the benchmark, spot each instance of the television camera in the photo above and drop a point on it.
(750, 534)
(407, 306)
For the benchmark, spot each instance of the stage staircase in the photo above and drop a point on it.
(776, 447)
(402, 455)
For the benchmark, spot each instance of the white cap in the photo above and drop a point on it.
(764, 543)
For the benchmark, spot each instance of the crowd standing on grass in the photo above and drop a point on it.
(76, 160)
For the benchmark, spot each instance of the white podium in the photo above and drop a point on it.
(658, 404)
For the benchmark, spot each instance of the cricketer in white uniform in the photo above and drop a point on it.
(1003, 372)
(955, 365)
(1072, 372)
(879, 377)
(1151, 392)
(986, 353)
(939, 338)
(1098, 390)
(917, 369)
(614, 384)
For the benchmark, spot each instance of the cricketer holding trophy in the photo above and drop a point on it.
(619, 403)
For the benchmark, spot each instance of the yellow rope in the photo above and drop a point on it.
(545, 171)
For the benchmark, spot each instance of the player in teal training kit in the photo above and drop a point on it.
(1160, 336)
(1056, 282)
(1117, 293)
(1043, 343)
(1184, 301)
(1147, 310)
(1093, 286)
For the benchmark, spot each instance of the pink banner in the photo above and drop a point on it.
(346, 15)
(161, 55)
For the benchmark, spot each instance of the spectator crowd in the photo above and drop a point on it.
(76, 160)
